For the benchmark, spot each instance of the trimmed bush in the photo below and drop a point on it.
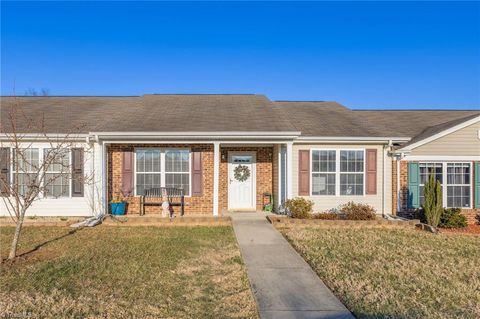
(299, 207)
(451, 218)
(358, 211)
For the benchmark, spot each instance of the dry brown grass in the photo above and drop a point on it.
(141, 272)
(387, 273)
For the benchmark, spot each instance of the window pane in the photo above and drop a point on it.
(427, 169)
(28, 159)
(178, 180)
(351, 184)
(56, 160)
(323, 184)
(351, 161)
(147, 182)
(176, 161)
(57, 185)
(323, 161)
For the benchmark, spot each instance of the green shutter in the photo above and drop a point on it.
(477, 184)
(413, 189)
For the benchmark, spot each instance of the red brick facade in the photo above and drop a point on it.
(470, 213)
(194, 204)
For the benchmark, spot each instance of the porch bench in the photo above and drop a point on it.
(153, 197)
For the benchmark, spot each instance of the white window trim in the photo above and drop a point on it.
(162, 166)
(337, 170)
(445, 183)
(41, 149)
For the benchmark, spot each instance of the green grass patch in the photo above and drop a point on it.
(120, 272)
(382, 273)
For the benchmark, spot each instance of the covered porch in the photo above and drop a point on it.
(215, 176)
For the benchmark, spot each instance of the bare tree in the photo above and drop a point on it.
(33, 92)
(30, 173)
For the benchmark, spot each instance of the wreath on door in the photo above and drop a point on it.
(241, 173)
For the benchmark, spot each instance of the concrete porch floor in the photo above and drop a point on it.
(284, 285)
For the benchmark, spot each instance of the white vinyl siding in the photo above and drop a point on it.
(326, 202)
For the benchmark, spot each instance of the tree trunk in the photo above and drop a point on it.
(16, 237)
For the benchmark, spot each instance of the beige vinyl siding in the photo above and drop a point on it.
(323, 202)
(464, 142)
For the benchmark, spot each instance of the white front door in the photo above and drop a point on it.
(241, 181)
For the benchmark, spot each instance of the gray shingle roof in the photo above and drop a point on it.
(333, 119)
(223, 112)
(147, 113)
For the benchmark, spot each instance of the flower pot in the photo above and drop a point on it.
(118, 208)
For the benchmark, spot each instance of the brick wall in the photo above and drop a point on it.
(470, 213)
(264, 169)
(194, 205)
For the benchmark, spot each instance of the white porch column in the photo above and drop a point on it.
(289, 170)
(216, 176)
(280, 173)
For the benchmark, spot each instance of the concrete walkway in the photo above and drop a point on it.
(283, 283)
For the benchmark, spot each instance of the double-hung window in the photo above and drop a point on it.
(351, 172)
(338, 172)
(177, 169)
(458, 185)
(425, 171)
(323, 172)
(455, 179)
(28, 166)
(57, 172)
(148, 170)
(162, 167)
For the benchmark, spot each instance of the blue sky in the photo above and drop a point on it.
(361, 54)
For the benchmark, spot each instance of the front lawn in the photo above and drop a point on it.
(125, 272)
(381, 273)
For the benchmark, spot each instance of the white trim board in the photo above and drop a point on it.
(440, 158)
(440, 134)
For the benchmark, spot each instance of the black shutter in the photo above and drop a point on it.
(77, 172)
(4, 171)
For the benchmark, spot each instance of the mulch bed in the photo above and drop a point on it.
(470, 230)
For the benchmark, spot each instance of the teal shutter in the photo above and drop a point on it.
(477, 184)
(413, 189)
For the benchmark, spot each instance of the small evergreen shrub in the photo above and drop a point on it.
(299, 207)
(358, 211)
(432, 206)
(451, 218)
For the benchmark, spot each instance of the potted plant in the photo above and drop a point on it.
(118, 205)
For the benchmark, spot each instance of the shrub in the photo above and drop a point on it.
(326, 216)
(354, 211)
(420, 214)
(451, 218)
(433, 201)
(299, 207)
